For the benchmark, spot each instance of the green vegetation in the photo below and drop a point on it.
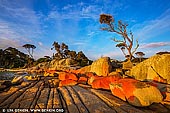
(12, 58)
(44, 59)
(62, 51)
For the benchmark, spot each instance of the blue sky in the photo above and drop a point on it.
(76, 22)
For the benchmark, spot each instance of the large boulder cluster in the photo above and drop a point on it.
(131, 90)
(100, 75)
(56, 64)
(156, 68)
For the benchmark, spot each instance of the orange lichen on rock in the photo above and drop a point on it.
(66, 76)
(135, 92)
(82, 80)
(89, 74)
(159, 79)
(167, 98)
(117, 91)
(103, 83)
(71, 71)
(114, 73)
(67, 83)
(92, 78)
(50, 72)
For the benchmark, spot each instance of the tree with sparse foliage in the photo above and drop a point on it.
(140, 55)
(61, 50)
(163, 52)
(28, 47)
(127, 38)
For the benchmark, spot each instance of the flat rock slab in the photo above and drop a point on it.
(72, 99)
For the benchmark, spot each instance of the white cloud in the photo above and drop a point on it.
(153, 28)
(115, 55)
(18, 25)
(155, 45)
(78, 43)
(68, 6)
(76, 11)
(40, 43)
(91, 33)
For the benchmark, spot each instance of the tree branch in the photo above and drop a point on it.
(131, 34)
(113, 30)
(137, 45)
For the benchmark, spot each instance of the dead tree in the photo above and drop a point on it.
(127, 42)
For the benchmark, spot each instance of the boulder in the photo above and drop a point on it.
(5, 84)
(2, 87)
(163, 88)
(127, 65)
(84, 69)
(21, 73)
(82, 80)
(114, 73)
(67, 76)
(135, 92)
(30, 78)
(167, 98)
(102, 66)
(155, 68)
(51, 73)
(89, 74)
(103, 83)
(67, 83)
(17, 79)
(62, 64)
(92, 78)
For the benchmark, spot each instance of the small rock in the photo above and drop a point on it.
(18, 79)
(2, 87)
(67, 83)
(89, 74)
(92, 78)
(103, 83)
(114, 73)
(7, 83)
(66, 76)
(82, 80)
(50, 73)
(31, 78)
